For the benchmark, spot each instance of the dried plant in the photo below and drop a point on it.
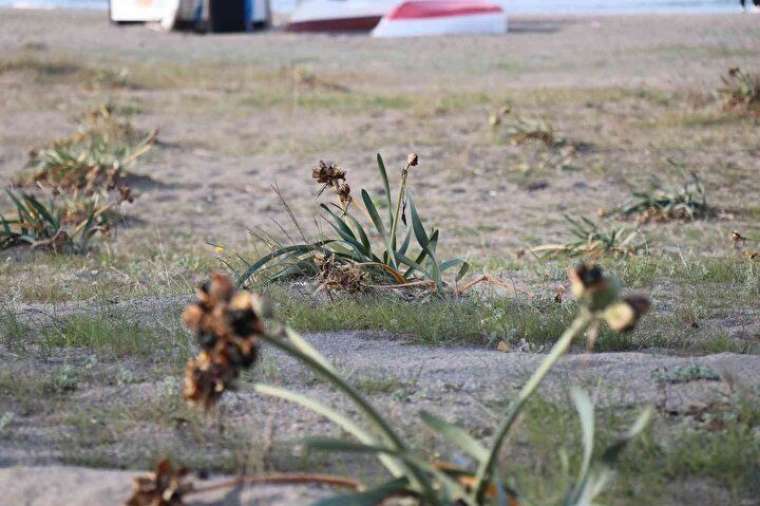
(336, 276)
(660, 203)
(411, 473)
(741, 91)
(93, 158)
(398, 264)
(164, 487)
(226, 324)
(520, 130)
(740, 241)
(332, 176)
(60, 226)
(594, 242)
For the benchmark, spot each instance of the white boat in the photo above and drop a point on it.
(413, 18)
(221, 15)
(136, 11)
(339, 15)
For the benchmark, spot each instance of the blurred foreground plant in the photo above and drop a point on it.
(223, 316)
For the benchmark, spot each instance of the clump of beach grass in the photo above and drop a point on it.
(92, 159)
(59, 225)
(593, 241)
(741, 91)
(406, 256)
(660, 203)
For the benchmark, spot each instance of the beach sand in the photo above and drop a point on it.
(627, 97)
(238, 113)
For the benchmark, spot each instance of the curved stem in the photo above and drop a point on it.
(282, 479)
(486, 468)
(365, 407)
(394, 226)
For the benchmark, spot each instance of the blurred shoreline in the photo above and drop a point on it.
(513, 7)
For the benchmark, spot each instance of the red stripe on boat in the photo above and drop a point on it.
(421, 9)
(359, 24)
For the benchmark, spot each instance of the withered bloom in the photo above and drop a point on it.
(328, 174)
(225, 324)
(344, 195)
(163, 488)
(591, 287)
(586, 278)
(624, 315)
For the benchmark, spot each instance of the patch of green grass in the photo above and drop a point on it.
(118, 333)
(36, 392)
(64, 70)
(467, 320)
(731, 456)
(351, 102)
(657, 469)
(374, 385)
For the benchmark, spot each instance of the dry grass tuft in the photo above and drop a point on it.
(93, 158)
(662, 203)
(741, 92)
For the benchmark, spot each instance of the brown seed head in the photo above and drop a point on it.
(226, 325)
(624, 315)
(591, 287)
(328, 174)
(163, 487)
(344, 195)
(411, 160)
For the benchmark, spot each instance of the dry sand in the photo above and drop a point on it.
(236, 117)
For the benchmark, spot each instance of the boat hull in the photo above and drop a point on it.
(339, 15)
(357, 24)
(417, 18)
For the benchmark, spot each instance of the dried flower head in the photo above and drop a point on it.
(624, 315)
(411, 160)
(164, 487)
(328, 174)
(226, 324)
(591, 287)
(344, 195)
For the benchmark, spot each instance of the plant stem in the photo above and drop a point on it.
(486, 468)
(401, 191)
(283, 479)
(389, 435)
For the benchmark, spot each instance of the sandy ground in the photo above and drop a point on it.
(236, 115)
(239, 113)
(469, 383)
